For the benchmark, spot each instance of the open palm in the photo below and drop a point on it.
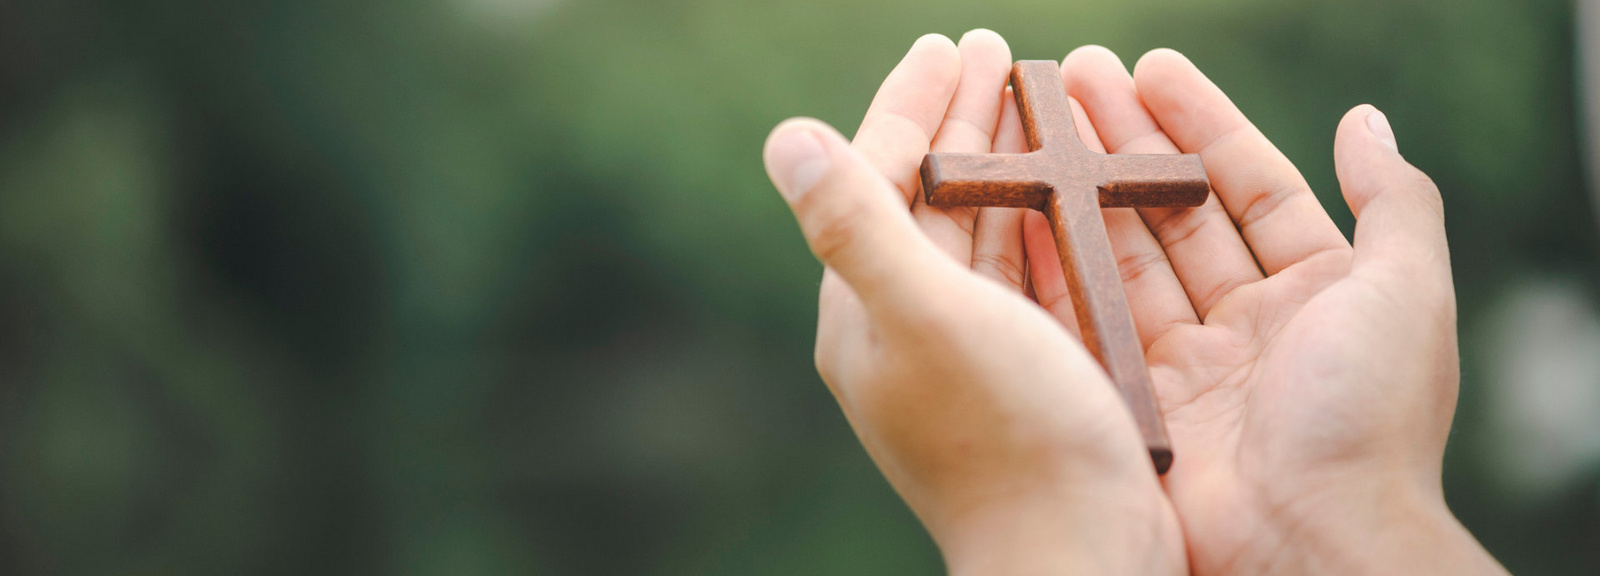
(992, 423)
(1308, 384)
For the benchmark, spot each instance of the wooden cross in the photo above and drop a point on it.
(1070, 184)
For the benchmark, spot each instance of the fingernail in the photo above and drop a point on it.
(798, 163)
(1379, 125)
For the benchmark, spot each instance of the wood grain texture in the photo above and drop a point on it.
(1070, 183)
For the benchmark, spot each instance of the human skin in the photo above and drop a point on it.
(985, 414)
(1308, 404)
(1308, 384)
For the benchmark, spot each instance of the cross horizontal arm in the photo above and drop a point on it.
(983, 180)
(1154, 180)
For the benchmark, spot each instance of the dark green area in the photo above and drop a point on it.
(499, 287)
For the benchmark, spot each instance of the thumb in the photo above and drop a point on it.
(855, 221)
(1399, 211)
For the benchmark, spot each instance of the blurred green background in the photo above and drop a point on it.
(499, 286)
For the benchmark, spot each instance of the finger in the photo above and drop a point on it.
(1155, 297)
(1044, 271)
(851, 216)
(1268, 200)
(893, 137)
(905, 115)
(997, 251)
(968, 126)
(1208, 257)
(1399, 212)
(970, 122)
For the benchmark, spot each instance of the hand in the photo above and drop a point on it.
(1308, 385)
(991, 421)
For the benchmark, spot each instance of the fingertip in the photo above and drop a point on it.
(1351, 119)
(943, 53)
(934, 41)
(1164, 54)
(1359, 112)
(821, 131)
(982, 35)
(790, 125)
(852, 217)
(1363, 131)
(1188, 106)
(1399, 210)
(1368, 163)
(1092, 73)
(1089, 57)
(797, 156)
(1378, 125)
(1159, 63)
(1347, 133)
(986, 45)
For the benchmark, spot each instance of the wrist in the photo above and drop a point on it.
(1393, 529)
(1114, 531)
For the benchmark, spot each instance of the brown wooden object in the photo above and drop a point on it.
(1070, 183)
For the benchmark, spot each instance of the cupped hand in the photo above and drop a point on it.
(989, 419)
(1308, 384)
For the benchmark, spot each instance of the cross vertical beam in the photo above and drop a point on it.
(1070, 183)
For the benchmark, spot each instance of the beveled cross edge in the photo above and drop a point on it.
(1069, 183)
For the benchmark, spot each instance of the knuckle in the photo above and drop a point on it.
(1264, 205)
(1132, 266)
(1176, 227)
(1428, 191)
(1414, 186)
(1001, 267)
(960, 129)
(825, 360)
